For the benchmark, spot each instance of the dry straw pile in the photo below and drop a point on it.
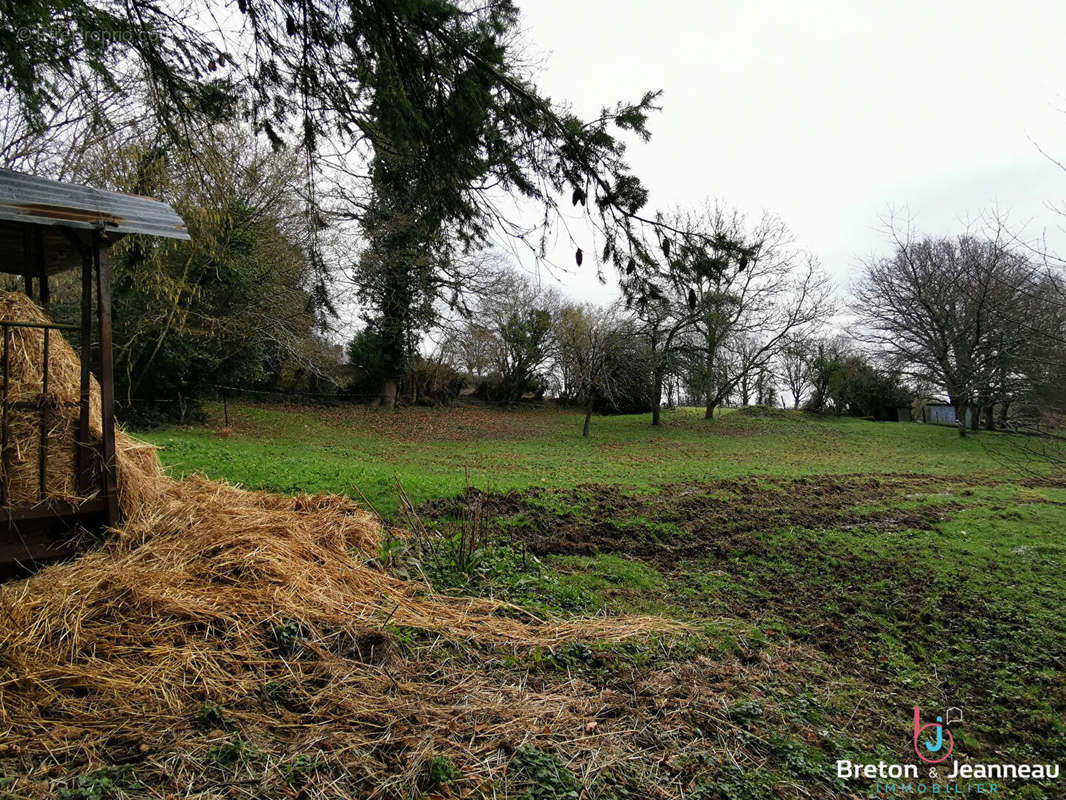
(231, 643)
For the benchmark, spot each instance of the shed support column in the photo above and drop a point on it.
(42, 270)
(107, 379)
(83, 449)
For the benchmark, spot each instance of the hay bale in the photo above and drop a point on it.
(140, 475)
(23, 459)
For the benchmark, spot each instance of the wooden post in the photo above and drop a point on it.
(107, 379)
(82, 449)
(29, 258)
(42, 454)
(42, 269)
(5, 488)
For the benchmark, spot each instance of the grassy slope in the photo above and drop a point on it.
(428, 450)
(939, 591)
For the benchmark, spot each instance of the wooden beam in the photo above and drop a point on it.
(82, 445)
(42, 452)
(5, 457)
(42, 270)
(31, 542)
(55, 509)
(45, 535)
(107, 379)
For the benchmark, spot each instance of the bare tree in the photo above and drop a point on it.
(85, 121)
(509, 333)
(747, 289)
(592, 347)
(950, 312)
(662, 328)
(795, 366)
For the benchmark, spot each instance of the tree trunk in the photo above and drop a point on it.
(960, 416)
(588, 417)
(1003, 408)
(990, 422)
(388, 393)
(709, 414)
(656, 404)
(394, 306)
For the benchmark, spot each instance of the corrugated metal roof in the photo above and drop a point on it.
(24, 198)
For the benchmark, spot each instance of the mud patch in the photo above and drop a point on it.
(692, 520)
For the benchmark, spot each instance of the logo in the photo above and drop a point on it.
(933, 744)
(933, 747)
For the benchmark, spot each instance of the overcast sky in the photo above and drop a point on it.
(828, 113)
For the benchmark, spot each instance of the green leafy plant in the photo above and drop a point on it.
(542, 776)
(459, 552)
(211, 715)
(103, 784)
(746, 713)
(288, 637)
(441, 771)
(390, 549)
(278, 691)
(299, 770)
(228, 754)
(731, 783)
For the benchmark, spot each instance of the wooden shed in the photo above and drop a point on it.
(46, 228)
(944, 414)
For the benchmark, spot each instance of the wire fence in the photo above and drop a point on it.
(184, 407)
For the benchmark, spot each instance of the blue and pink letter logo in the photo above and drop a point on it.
(934, 746)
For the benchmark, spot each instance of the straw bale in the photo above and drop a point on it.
(140, 474)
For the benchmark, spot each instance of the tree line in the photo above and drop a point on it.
(730, 297)
(411, 128)
(978, 320)
(329, 156)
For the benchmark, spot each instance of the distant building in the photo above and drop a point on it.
(943, 414)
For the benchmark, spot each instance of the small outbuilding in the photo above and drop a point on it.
(47, 228)
(943, 414)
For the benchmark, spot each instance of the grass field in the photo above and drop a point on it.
(431, 451)
(835, 573)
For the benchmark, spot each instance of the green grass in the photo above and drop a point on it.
(866, 597)
(432, 451)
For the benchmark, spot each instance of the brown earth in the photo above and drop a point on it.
(690, 520)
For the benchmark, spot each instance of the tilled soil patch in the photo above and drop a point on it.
(691, 520)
